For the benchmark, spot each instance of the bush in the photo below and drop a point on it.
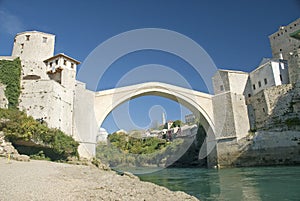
(125, 150)
(22, 130)
(133, 145)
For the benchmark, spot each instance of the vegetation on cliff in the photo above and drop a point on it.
(125, 150)
(34, 138)
(136, 145)
(10, 73)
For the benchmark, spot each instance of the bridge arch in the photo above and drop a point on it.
(198, 102)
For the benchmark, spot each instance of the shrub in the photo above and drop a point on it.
(125, 150)
(22, 130)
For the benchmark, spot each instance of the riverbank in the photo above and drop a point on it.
(43, 180)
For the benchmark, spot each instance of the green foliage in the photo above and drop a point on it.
(125, 150)
(136, 145)
(21, 129)
(10, 72)
(176, 123)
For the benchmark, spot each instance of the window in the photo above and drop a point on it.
(22, 45)
(280, 50)
(222, 88)
(280, 77)
(259, 84)
(44, 39)
(27, 37)
(254, 87)
(249, 95)
(50, 64)
(56, 61)
(266, 81)
(264, 110)
(72, 65)
(65, 62)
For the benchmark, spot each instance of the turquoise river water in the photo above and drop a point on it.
(254, 183)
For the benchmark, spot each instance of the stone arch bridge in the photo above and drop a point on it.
(101, 103)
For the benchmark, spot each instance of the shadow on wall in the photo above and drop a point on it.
(190, 157)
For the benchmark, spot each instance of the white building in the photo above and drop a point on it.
(269, 73)
(190, 118)
(62, 69)
(102, 135)
(46, 91)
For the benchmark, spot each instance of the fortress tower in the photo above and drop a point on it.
(281, 41)
(33, 45)
(47, 81)
(285, 44)
(230, 110)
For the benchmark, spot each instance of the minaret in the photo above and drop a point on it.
(163, 118)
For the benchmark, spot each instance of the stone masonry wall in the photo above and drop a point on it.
(264, 148)
(49, 100)
(271, 105)
(223, 115)
(34, 68)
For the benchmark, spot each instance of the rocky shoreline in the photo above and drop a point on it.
(43, 180)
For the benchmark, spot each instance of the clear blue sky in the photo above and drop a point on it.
(233, 33)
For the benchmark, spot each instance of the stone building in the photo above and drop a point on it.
(284, 43)
(268, 74)
(47, 81)
(230, 110)
(281, 41)
(190, 119)
(257, 95)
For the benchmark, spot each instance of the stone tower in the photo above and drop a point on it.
(281, 42)
(47, 81)
(33, 45)
(294, 60)
(230, 110)
(285, 44)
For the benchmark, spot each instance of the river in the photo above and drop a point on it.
(251, 183)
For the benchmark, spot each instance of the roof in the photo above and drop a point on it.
(232, 71)
(27, 32)
(62, 55)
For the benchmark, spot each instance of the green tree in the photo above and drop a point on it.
(176, 123)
